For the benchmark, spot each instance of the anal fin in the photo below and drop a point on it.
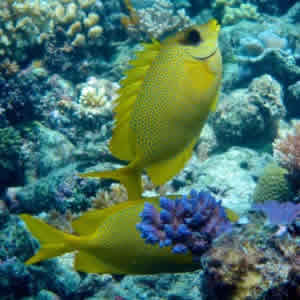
(163, 171)
(89, 263)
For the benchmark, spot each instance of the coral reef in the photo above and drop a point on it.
(275, 7)
(28, 24)
(281, 183)
(60, 190)
(23, 25)
(249, 263)
(45, 150)
(292, 100)
(248, 116)
(287, 152)
(87, 120)
(282, 214)
(188, 224)
(20, 96)
(104, 198)
(233, 11)
(207, 143)
(60, 61)
(98, 93)
(253, 49)
(235, 275)
(230, 176)
(11, 168)
(80, 19)
(273, 184)
(157, 20)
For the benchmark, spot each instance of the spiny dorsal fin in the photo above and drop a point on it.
(130, 88)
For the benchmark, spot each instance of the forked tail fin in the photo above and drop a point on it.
(129, 177)
(53, 242)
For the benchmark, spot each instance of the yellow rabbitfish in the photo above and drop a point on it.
(163, 104)
(108, 242)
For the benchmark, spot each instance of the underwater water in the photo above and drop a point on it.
(160, 142)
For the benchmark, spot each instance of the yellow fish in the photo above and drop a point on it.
(108, 242)
(163, 104)
(131, 237)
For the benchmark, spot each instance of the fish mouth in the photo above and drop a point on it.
(205, 57)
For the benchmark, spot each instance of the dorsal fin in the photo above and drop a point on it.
(130, 88)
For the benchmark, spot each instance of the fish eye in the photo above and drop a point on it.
(193, 37)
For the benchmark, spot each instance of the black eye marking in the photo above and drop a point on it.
(192, 37)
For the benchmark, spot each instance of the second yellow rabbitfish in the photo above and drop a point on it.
(163, 104)
(108, 242)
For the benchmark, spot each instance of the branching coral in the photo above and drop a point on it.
(233, 11)
(97, 93)
(22, 25)
(95, 102)
(187, 224)
(287, 152)
(25, 24)
(79, 21)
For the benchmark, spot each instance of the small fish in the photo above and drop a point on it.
(109, 241)
(163, 104)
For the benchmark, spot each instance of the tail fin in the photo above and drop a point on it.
(53, 242)
(129, 177)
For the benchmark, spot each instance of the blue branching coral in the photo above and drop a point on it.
(187, 224)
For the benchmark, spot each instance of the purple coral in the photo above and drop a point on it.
(279, 213)
(187, 224)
